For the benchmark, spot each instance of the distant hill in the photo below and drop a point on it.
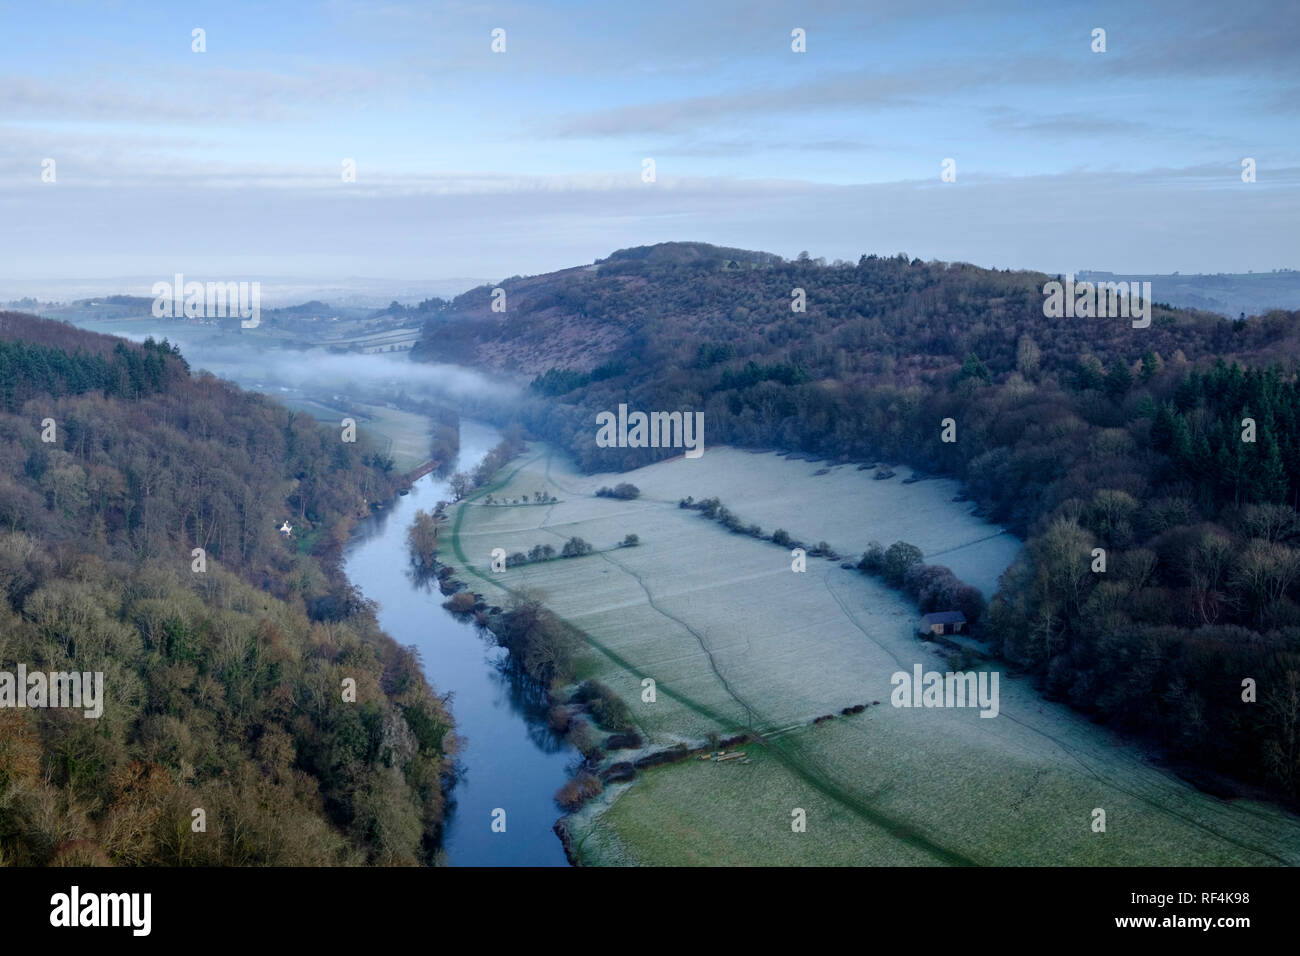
(885, 319)
(144, 303)
(314, 307)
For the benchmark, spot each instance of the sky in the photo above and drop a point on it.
(228, 163)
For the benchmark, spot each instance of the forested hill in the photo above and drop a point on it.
(881, 320)
(885, 350)
(223, 671)
(1078, 433)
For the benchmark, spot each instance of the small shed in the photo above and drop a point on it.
(943, 622)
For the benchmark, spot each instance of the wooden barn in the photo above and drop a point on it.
(943, 622)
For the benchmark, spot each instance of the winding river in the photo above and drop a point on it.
(508, 759)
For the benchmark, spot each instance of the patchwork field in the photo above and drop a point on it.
(735, 640)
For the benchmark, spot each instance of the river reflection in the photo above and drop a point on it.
(509, 759)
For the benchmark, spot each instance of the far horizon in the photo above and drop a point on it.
(322, 282)
(283, 291)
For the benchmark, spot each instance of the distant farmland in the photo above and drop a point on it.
(403, 435)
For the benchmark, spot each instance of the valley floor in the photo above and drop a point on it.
(736, 641)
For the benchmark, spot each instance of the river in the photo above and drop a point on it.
(509, 760)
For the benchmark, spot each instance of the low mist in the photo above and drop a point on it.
(318, 372)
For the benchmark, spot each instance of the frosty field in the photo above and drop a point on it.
(735, 640)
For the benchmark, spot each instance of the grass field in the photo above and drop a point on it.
(937, 799)
(406, 436)
(737, 641)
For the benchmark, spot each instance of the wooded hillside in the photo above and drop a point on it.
(224, 683)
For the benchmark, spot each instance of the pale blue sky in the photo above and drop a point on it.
(474, 163)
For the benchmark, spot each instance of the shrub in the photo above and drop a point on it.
(873, 559)
(606, 709)
(558, 719)
(626, 490)
(578, 791)
(622, 490)
(631, 541)
(931, 585)
(575, 548)
(462, 602)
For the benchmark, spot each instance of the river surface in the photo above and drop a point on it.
(508, 758)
